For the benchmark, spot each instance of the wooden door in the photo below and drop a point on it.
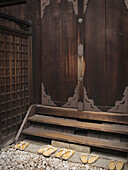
(106, 55)
(84, 47)
(58, 51)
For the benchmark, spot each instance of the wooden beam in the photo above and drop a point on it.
(4, 3)
(15, 31)
(14, 19)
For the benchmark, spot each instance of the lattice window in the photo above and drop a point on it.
(14, 51)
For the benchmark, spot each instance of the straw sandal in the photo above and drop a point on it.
(119, 165)
(93, 159)
(50, 150)
(68, 154)
(60, 152)
(84, 158)
(111, 165)
(43, 148)
(23, 146)
(19, 144)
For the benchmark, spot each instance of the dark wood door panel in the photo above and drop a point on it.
(94, 51)
(59, 51)
(106, 51)
(116, 50)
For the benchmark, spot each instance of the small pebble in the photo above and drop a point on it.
(18, 160)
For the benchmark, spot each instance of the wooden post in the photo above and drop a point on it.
(80, 55)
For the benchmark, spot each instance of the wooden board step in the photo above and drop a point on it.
(120, 118)
(119, 129)
(90, 141)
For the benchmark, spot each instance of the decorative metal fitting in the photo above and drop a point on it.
(80, 20)
(80, 79)
(80, 50)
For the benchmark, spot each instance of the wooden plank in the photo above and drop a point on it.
(14, 31)
(74, 113)
(30, 112)
(119, 146)
(36, 41)
(14, 19)
(4, 3)
(77, 124)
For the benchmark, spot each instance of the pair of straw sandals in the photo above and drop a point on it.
(65, 154)
(47, 150)
(21, 145)
(115, 165)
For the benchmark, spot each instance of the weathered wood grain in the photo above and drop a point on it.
(120, 129)
(74, 113)
(59, 51)
(120, 146)
(30, 112)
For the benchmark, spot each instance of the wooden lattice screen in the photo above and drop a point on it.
(14, 79)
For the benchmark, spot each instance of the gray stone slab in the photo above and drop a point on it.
(80, 148)
(37, 142)
(75, 147)
(32, 148)
(60, 144)
(110, 156)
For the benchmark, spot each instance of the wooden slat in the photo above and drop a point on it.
(4, 3)
(82, 125)
(119, 146)
(14, 19)
(73, 113)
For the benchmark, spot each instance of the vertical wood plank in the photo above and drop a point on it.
(15, 90)
(59, 51)
(94, 51)
(36, 40)
(80, 58)
(30, 78)
(10, 69)
(116, 50)
(5, 85)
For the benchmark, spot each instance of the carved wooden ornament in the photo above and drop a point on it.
(46, 100)
(89, 104)
(72, 101)
(75, 5)
(121, 106)
(44, 3)
(85, 5)
(126, 3)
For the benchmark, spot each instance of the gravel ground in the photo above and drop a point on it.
(15, 160)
